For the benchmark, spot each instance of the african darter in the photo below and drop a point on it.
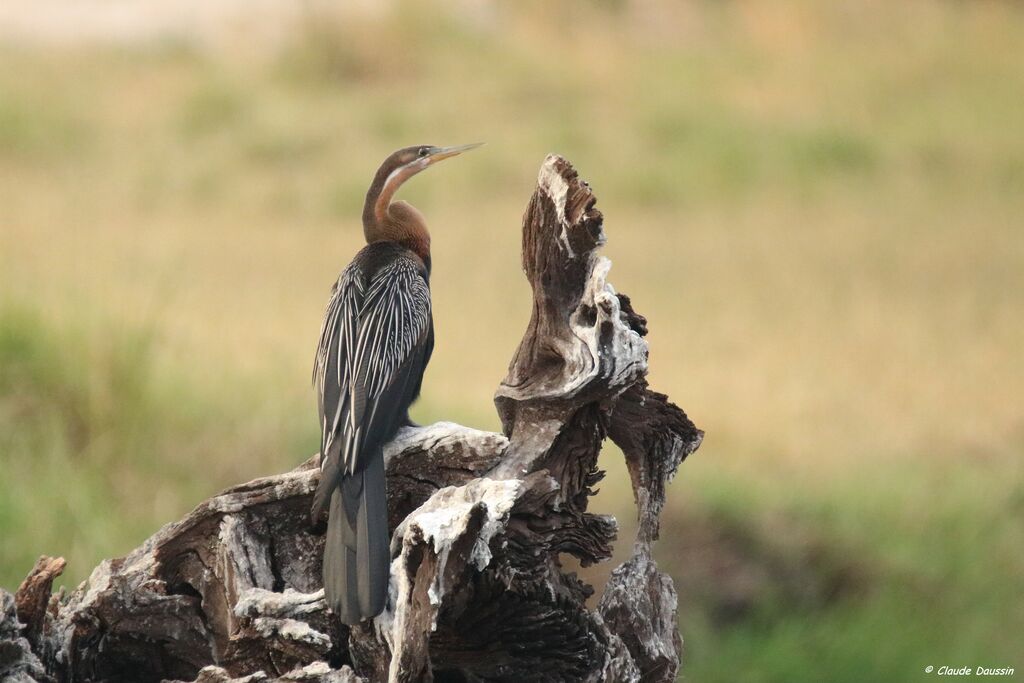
(375, 343)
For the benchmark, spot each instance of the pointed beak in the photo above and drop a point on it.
(439, 153)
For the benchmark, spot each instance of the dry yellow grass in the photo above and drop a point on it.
(881, 283)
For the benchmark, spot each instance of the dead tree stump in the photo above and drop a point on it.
(232, 591)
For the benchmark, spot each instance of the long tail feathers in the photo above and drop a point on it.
(356, 557)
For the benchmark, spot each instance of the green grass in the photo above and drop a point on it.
(817, 206)
(873, 578)
(99, 447)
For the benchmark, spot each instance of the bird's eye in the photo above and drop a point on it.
(423, 151)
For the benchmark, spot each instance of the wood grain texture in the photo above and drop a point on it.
(480, 520)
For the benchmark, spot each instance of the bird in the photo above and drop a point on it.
(375, 342)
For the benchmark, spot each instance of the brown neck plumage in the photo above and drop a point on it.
(395, 221)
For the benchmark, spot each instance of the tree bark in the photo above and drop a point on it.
(232, 592)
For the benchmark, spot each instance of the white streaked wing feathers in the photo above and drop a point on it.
(369, 328)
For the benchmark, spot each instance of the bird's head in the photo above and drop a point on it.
(396, 169)
(408, 161)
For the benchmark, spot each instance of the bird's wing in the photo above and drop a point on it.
(371, 328)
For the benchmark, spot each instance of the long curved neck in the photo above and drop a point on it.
(398, 221)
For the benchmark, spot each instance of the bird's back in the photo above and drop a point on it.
(375, 343)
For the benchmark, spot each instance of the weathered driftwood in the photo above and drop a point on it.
(478, 593)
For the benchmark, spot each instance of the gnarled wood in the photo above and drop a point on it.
(33, 595)
(478, 593)
(18, 663)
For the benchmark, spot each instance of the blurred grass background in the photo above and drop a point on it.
(817, 205)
